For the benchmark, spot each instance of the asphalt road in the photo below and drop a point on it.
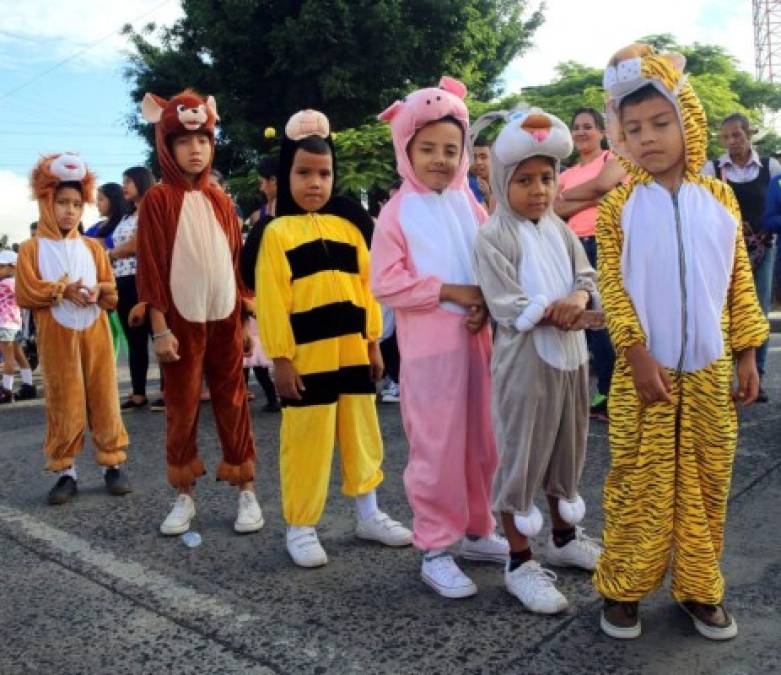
(92, 587)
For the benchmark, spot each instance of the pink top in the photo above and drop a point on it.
(10, 315)
(583, 222)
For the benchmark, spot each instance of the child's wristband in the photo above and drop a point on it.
(162, 333)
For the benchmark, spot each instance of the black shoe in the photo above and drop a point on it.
(762, 396)
(63, 490)
(116, 482)
(26, 392)
(6, 396)
(130, 404)
(272, 407)
(157, 405)
(598, 411)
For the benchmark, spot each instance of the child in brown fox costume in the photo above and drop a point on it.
(188, 248)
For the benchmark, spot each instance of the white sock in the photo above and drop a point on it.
(27, 375)
(433, 553)
(8, 382)
(70, 471)
(366, 505)
(293, 530)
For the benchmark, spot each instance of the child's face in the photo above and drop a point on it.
(482, 165)
(532, 188)
(103, 204)
(6, 271)
(435, 153)
(653, 136)
(192, 153)
(129, 189)
(311, 179)
(68, 208)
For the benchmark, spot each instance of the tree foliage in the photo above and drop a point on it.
(265, 59)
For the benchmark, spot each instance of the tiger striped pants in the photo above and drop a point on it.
(665, 497)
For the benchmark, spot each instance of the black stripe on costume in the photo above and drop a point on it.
(328, 321)
(325, 388)
(322, 255)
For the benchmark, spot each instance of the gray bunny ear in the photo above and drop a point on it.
(477, 127)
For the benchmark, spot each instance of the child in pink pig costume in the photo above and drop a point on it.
(422, 268)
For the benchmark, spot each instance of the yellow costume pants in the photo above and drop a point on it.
(666, 493)
(307, 442)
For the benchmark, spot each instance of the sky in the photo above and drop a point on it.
(62, 85)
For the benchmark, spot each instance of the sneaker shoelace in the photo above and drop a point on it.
(180, 506)
(306, 539)
(590, 543)
(444, 565)
(539, 579)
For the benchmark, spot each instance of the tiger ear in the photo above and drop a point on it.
(677, 60)
(152, 108)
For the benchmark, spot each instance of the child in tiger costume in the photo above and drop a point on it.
(679, 299)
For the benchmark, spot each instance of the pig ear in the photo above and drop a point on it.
(390, 112)
(211, 104)
(152, 108)
(453, 86)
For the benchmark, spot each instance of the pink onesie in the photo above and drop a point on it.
(10, 316)
(424, 239)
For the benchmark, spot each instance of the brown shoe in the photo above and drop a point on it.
(620, 620)
(711, 621)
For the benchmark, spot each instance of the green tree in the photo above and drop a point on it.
(263, 60)
(722, 87)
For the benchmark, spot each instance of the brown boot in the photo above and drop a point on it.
(620, 620)
(711, 621)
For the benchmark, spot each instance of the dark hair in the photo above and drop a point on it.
(73, 184)
(645, 93)
(549, 160)
(740, 119)
(599, 120)
(118, 207)
(481, 142)
(314, 144)
(142, 178)
(377, 197)
(268, 167)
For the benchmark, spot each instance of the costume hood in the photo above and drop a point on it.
(186, 112)
(638, 65)
(304, 124)
(46, 177)
(526, 133)
(418, 109)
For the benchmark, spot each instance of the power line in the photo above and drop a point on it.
(76, 55)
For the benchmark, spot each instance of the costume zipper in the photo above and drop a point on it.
(682, 280)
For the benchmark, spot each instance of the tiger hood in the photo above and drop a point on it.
(638, 65)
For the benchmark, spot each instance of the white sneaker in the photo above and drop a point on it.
(380, 527)
(304, 547)
(390, 393)
(533, 586)
(178, 520)
(492, 548)
(582, 552)
(250, 517)
(444, 576)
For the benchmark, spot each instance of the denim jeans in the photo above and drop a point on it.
(763, 282)
(599, 340)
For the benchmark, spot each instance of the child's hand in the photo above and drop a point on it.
(247, 344)
(591, 319)
(92, 295)
(566, 312)
(475, 320)
(748, 378)
(376, 362)
(77, 293)
(462, 294)
(287, 381)
(651, 380)
(166, 348)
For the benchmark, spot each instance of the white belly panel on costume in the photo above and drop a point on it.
(654, 260)
(203, 281)
(71, 257)
(440, 230)
(545, 268)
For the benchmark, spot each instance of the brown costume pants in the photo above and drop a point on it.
(213, 348)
